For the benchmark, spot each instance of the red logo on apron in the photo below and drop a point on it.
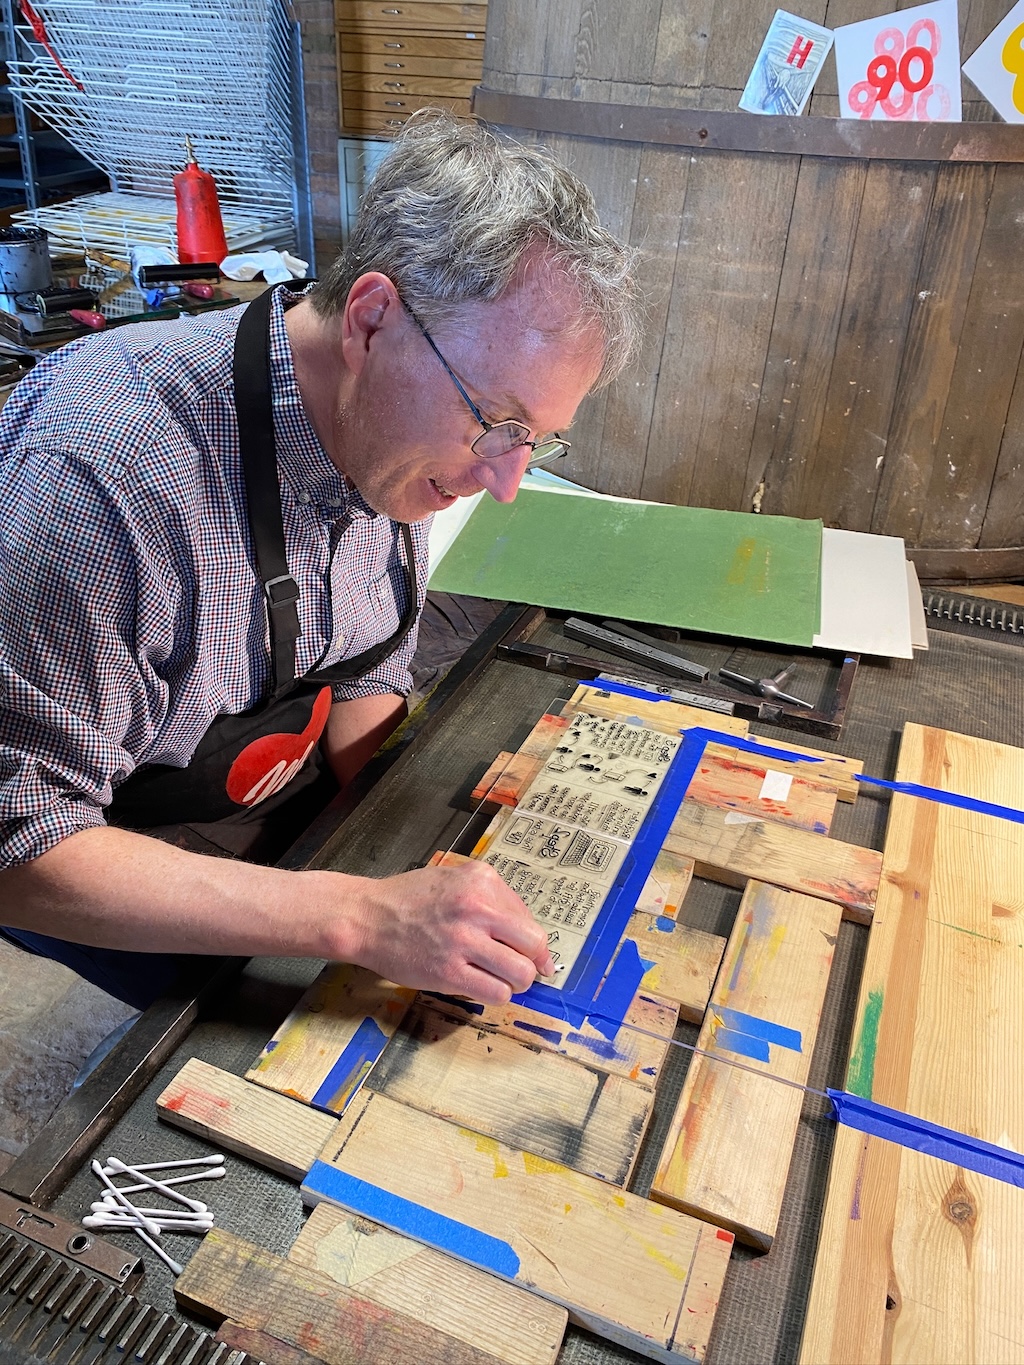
(270, 762)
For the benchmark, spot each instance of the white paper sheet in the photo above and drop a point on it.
(864, 604)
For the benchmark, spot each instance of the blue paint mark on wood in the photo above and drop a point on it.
(666, 924)
(550, 1034)
(344, 1079)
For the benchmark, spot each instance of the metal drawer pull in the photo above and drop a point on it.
(391, 11)
(394, 66)
(394, 45)
(393, 122)
(394, 85)
(395, 104)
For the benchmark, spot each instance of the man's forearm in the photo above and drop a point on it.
(456, 930)
(112, 888)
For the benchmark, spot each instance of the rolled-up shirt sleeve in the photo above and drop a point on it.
(79, 703)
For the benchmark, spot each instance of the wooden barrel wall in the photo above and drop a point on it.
(836, 316)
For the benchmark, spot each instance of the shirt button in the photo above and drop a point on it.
(302, 497)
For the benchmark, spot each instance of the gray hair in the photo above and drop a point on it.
(453, 211)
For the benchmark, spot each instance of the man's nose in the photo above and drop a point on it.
(501, 476)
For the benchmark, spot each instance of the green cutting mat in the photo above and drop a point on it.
(727, 573)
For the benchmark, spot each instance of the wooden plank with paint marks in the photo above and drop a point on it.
(744, 784)
(525, 1096)
(834, 770)
(666, 886)
(326, 1047)
(501, 786)
(401, 1274)
(731, 848)
(936, 1252)
(642, 1275)
(271, 1129)
(765, 1011)
(339, 1325)
(637, 1052)
(684, 961)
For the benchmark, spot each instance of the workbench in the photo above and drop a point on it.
(414, 799)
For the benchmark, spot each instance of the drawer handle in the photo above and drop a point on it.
(395, 66)
(394, 85)
(395, 104)
(391, 11)
(393, 122)
(394, 45)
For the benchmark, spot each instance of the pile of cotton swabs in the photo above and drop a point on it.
(115, 1212)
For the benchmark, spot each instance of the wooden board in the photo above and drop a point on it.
(522, 1095)
(277, 1132)
(684, 961)
(834, 770)
(764, 1012)
(665, 887)
(503, 788)
(939, 1034)
(744, 784)
(339, 1325)
(324, 1049)
(637, 1052)
(730, 848)
(670, 716)
(642, 1275)
(400, 1274)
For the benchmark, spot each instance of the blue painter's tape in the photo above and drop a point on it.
(744, 1043)
(363, 1049)
(946, 1144)
(760, 1028)
(549, 1034)
(603, 684)
(447, 1234)
(946, 798)
(620, 986)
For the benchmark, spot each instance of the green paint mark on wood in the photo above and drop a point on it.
(860, 1075)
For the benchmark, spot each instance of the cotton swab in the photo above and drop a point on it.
(121, 1168)
(174, 1267)
(215, 1160)
(145, 1222)
(175, 1180)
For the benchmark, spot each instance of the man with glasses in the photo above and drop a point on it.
(214, 556)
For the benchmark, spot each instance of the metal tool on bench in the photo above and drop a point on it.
(768, 687)
(633, 644)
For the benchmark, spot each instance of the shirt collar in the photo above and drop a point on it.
(305, 465)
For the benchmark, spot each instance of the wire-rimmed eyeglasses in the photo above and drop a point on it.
(497, 438)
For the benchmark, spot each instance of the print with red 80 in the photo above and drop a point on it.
(899, 76)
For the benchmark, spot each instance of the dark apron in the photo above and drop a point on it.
(256, 779)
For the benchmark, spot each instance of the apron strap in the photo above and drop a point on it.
(254, 407)
(262, 492)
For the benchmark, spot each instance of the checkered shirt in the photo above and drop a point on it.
(131, 613)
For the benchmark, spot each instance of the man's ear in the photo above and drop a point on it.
(372, 305)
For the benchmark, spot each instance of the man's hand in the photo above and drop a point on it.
(458, 930)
